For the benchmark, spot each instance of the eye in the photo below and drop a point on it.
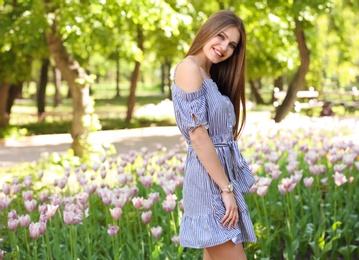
(220, 36)
(233, 46)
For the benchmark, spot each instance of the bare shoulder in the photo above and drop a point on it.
(188, 76)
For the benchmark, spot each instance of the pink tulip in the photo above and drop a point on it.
(6, 189)
(16, 188)
(62, 183)
(262, 191)
(51, 210)
(180, 204)
(40, 174)
(55, 199)
(42, 227)
(175, 239)
(339, 168)
(133, 190)
(282, 189)
(27, 195)
(27, 181)
(264, 181)
(90, 188)
(147, 204)
(308, 182)
(13, 224)
(116, 213)
(146, 181)
(34, 230)
(15, 180)
(156, 231)
(154, 196)
(43, 197)
(112, 230)
(351, 179)
(43, 218)
(12, 215)
(169, 205)
(339, 179)
(82, 197)
(324, 180)
(103, 173)
(42, 208)
(348, 159)
(137, 202)
(311, 157)
(30, 205)
(69, 217)
(122, 178)
(146, 217)
(119, 202)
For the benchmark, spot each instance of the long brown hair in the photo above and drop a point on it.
(229, 75)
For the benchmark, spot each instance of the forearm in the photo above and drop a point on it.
(206, 152)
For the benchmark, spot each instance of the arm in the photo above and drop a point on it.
(189, 79)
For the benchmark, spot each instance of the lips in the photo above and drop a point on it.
(218, 52)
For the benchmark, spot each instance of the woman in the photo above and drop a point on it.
(208, 91)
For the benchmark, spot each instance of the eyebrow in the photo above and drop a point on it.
(228, 38)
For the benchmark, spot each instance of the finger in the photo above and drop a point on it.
(226, 217)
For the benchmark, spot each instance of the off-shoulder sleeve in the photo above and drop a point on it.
(189, 107)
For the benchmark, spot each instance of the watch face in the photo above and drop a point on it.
(230, 187)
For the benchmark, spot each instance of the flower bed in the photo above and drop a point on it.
(128, 206)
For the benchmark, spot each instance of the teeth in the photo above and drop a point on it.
(219, 54)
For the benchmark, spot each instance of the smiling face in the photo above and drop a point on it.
(222, 46)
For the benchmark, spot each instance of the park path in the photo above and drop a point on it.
(29, 149)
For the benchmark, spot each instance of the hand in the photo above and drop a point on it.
(231, 217)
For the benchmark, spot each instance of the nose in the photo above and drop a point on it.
(224, 45)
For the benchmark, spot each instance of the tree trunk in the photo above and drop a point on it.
(118, 94)
(255, 87)
(298, 80)
(57, 84)
(132, 97)
(72, 72)
(15, 92)
(4, 95)
(41, 90)
(163, 77)
(278, 83)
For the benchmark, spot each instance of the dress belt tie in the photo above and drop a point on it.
(233, 146)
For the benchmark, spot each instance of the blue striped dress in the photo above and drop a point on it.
(203, 206)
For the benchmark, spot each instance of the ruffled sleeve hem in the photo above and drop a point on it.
(190, 108)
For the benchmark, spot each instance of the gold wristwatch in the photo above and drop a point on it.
(229, 188)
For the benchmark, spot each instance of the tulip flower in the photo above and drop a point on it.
(16, 188)
(30, 205)
(6, 189)
(24, 220)
(308, 182)
(156, 231)
(51, 210)
(169, 205)
(112, 230)
(137, 202)
(34, 229)
(27, 195)
(13, 224)
(116, 213)
(12, 215)
(175, 239)
(27, 181)
(146, 217)
(262, 191)
(339, 179)
(154, 196)
(146, 181)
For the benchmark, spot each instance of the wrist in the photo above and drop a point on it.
(228, 189)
